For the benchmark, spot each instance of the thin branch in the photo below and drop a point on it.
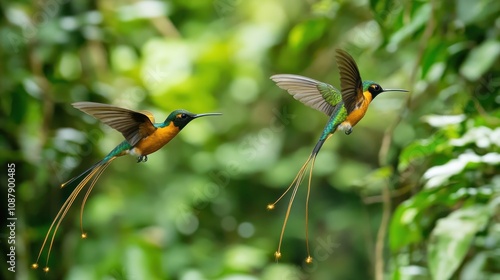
(165, 26)
(382, 231)
(395, 193)
(384, 150)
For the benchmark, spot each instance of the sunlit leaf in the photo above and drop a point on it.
(481, 136)
(473, 269)
(473, 11)
(418, 21)
(123, 58)
(405, 228)
(420, 149)
(433, 57)
(307, 32)
(437, 175)
(443, 120)
(411, 272)
(375, 180)
(244, 258)
(451, 238)
(70, 67)
(480, 60)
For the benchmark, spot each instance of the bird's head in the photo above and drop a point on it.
(180, 118)
(375, 89)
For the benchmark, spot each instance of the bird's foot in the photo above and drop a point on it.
(142, 158)
(346, 127)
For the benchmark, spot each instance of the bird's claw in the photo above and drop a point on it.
(142, 158)
(348, 131)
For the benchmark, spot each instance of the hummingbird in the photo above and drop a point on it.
(142, 137)
(345, 108)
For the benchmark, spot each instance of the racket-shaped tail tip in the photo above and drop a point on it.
(277, 255)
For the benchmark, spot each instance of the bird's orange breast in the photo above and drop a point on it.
(158, 139)
(355, 116)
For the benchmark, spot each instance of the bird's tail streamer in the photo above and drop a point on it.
(294, 186)
(93, 173)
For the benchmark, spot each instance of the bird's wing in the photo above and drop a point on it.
(351, 85)
(148, 114)
(315, 94)
(133, 125)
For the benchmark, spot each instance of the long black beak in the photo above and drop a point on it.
(206, 114)
(396, 89)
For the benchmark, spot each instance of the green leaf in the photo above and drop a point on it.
(451, 238)
(443, 120)
(410, 272)
(439, 174)
(482, 136)
(475, 11)
(420, 18)
(306, 33)
(411, 219)
(473, 268)
(375, 180)
(435, 54)
(420, 149)
(70, 67)
(480, 60)
(404, 228)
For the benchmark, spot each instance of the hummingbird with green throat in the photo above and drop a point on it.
(344, 107)
(142, 137)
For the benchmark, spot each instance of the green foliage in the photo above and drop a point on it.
(440, 231)
(456, 206)
(451, 238)
(196, 209)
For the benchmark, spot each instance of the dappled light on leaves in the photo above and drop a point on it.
(416, 168)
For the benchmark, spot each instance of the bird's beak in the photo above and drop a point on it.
(396, 89)
(206, 114)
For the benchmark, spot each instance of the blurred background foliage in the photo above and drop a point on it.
(411, 194)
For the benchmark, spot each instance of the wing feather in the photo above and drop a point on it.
(133, 125)
(315, 94)
(351, 85)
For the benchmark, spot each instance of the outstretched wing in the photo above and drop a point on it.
(315, 94)
(351, 85)
(133, 125)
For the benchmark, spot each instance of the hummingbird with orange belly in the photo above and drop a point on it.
(345, 108)
(142, 137)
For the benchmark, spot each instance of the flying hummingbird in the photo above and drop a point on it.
(345, 109)
(143, 137)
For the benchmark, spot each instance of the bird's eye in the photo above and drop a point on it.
(376, 87)
(183, 116)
